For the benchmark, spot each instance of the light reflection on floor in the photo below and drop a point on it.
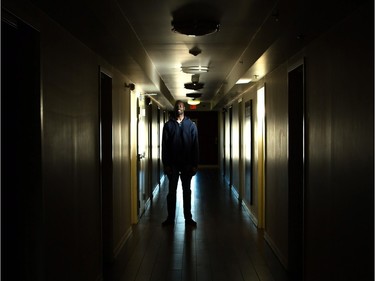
(179, 200)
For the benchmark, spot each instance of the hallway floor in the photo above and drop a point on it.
(225, 246)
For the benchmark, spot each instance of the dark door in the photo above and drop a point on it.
(21, 161)
(296, 171)
(106, 165)
(230, 147)
(207, 124)
(223, 144)
(158, 147)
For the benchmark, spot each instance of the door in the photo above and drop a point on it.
(230, 147)
(296, 170)
(21, 155)
(158, 147)
(153, 117)
(248, 138)
(106, 165)
(224, 168)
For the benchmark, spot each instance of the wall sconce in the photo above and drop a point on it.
(131, 86)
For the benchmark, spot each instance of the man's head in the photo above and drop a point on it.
(179, 108)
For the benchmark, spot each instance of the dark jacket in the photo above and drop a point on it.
(180, 145)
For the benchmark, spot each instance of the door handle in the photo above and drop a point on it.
(140, 156)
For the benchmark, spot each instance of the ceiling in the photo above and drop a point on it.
(254, 37)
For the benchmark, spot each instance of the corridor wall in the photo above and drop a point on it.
(338, 203)
(71, 235)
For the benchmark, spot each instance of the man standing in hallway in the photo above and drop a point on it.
(180, 152)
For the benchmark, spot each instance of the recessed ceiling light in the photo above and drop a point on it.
(243, 80)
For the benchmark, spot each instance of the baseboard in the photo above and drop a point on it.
(237, 195)
(129, 232)
(122, 242)
(147, 205)
(279, 255)
(250, 213)
(235, 192)
(162, 180)
(155, 192)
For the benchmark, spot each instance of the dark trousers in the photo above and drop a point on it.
(185, 174)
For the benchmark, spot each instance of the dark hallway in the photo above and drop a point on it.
(225, 246)
(286, 139)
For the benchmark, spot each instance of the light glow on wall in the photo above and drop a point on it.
(261, 152)
(260, 107)
(141, 126)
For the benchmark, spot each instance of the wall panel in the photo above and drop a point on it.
(340, 183)
(70, 140)
(276, 191)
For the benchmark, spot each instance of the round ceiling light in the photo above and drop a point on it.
(194, 69)
(193, 102)
(194, 95)
(195, 27)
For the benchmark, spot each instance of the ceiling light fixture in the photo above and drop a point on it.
(193, 86)
(195, 78)
(193, 102)
(194, 69)
(195, 27)
(243, 81)
(194, 95)
(195, 51)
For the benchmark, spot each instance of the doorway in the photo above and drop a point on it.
(296, 171)
(248, 138)
(230, 147)
(142, 145)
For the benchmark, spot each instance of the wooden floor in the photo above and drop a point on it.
(226, 246)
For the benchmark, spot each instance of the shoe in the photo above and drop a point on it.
(167, 222)
(190, 222)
